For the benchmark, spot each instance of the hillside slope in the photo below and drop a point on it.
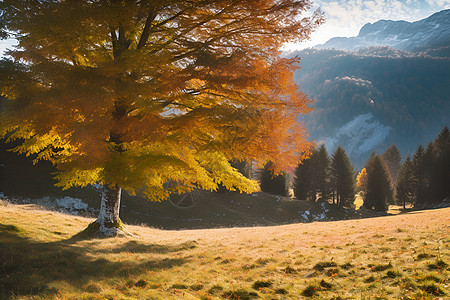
(370, 99)
(404, 256)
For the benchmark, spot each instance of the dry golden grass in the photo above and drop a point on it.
(396, 257)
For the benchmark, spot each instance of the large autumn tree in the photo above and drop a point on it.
(137, 95)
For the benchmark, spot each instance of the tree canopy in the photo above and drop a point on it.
(135, 94)
(140, 92)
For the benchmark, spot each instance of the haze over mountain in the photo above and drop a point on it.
(377, 93)
(432, 32)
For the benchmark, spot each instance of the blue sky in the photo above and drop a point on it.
(346, 17)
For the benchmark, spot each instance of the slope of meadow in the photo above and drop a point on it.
(396, 257)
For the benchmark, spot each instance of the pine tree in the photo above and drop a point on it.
(393, 160)
(135, 94)
(379, 190)
(342, 175)
(312, 176)
(404, 191)
(322, 173)
(440, 177)
(304, 188)
(272, 183)
(421, 166)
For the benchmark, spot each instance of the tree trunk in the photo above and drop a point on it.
(108, 218)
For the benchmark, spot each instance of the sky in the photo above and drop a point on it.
(345, 18)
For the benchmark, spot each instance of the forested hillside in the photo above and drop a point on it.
(369, 99)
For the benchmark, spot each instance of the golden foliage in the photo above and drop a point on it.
(139, 93)
(361, 180)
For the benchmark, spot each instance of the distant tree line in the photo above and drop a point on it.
(421, 181)
(424, 179)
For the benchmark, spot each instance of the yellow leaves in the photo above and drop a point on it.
(221, 172)
(78, 116)
(77, 177)
(206, 85)
(361, 180)
(50, 146)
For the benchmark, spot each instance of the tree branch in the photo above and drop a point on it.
(146, 32)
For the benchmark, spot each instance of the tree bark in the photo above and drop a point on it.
(108, 218)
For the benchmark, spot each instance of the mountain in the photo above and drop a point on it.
(430, 33)
(370, 98)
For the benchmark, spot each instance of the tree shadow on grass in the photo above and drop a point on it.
(28, 267)
(135, 247)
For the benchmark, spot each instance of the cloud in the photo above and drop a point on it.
(355, 80)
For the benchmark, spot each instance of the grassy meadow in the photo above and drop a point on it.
(405, 256)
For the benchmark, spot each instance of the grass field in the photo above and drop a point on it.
(405, 256)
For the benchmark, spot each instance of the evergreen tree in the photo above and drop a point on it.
(440, 179)
(322, 173)
(303, 181)
(135, 94)
(275, 184)
(379, 190)
(421, 165)
(312, 176)
(342, 179)
(393, 160)
(404, 192)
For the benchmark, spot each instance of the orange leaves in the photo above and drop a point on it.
(195, 78)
